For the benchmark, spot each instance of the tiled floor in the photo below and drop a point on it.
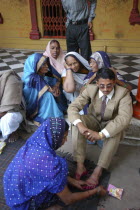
(127, 65)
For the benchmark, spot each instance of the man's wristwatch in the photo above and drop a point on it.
(101, 135)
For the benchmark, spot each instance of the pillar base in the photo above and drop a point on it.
(136, 110)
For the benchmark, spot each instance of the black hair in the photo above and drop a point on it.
(105, 73)
(53, 41)
(66, 126)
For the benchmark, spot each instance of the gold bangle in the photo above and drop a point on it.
(101, 135)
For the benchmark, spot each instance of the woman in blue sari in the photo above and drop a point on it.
(37, 176)
(41, 94)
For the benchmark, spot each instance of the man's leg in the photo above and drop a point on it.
(9, 124)
(109, 149)
(84, 42)
(79, 142)
(71, 38)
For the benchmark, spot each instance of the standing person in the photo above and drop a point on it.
(79, 21)
(37, 176)
(109, 114)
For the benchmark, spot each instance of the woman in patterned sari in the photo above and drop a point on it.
(37, 176)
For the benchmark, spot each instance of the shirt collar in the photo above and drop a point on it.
(109, 96)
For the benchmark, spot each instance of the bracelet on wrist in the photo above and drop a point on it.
(68, 69)
(101, 135)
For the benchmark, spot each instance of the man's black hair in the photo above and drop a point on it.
(105, 73)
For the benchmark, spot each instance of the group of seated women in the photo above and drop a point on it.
(52, 80)
(37, 177)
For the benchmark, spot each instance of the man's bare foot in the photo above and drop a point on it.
(13, 137)
(95, 176)
(80, 170)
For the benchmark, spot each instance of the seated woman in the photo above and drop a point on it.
(99, 60)
(56, 60)
(12, 111)
(41, 95)
(37, 176)
(76, 68)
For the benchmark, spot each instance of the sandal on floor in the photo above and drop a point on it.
(78, 176)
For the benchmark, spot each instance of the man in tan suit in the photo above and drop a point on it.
(109, 113)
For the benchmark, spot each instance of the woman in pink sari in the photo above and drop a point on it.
(56, 61)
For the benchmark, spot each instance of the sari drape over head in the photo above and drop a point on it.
(78, 76)
(37, 172)
(40, 103)
(58, 64)
(103, 61)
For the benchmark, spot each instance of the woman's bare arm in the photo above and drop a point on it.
(68, 82)
(68, 197)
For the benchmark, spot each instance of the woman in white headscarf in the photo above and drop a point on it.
(76, 68)
(98, 60)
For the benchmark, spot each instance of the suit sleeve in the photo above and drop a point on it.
(122, 120)
(77, 105)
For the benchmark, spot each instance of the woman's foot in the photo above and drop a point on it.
(80, 171)
(13, 137)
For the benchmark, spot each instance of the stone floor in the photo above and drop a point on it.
(125, 166)
(125, 173)
(127, 65)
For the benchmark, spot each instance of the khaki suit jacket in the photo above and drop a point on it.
(118, 112)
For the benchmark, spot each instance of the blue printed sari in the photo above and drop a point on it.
(40, 103)
(37, 173)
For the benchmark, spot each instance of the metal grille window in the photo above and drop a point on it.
(53, 18)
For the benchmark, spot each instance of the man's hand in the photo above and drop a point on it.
(90, 25)
(55, 91)
(66, 66)
(82, 129)
(92, 135)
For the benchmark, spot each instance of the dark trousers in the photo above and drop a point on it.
(77, 37)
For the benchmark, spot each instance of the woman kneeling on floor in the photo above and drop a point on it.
(37, 175)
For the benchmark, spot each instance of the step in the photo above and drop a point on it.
(132, 135)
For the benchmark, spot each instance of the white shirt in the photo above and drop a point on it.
(109, 96)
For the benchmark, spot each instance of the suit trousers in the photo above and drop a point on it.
(110, 145)
(77, 37)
